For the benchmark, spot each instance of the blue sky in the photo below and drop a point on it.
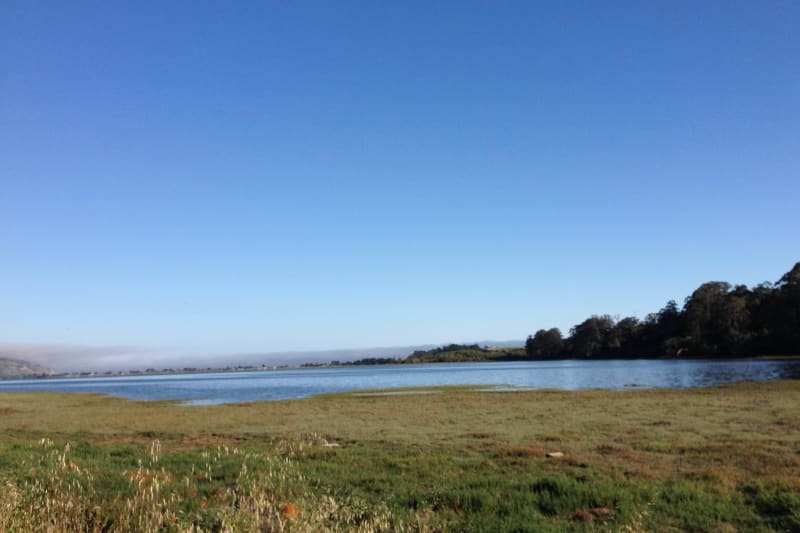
(199, 177)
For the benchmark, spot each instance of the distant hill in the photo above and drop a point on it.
(14, 368)
(450, 353)
(383, 355)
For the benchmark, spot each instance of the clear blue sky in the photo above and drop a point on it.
(217, 177)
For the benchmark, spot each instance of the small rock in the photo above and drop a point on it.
(555, 455)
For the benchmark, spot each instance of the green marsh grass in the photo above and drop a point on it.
(720, 459)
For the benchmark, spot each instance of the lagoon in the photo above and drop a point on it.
(228, 387)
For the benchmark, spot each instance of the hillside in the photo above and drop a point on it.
(451, 353)
(14, 368)
(460, 353)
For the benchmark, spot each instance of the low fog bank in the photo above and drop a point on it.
(75, 358)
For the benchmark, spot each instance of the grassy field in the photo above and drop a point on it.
(720, 459)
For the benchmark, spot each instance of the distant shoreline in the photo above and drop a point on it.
(345, 364)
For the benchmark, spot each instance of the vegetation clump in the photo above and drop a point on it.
(453, 353)
(223, 489)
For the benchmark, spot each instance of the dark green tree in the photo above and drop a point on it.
(786, 318)
(626, 332)
(591, 337)
(702, 312)
(545, 343)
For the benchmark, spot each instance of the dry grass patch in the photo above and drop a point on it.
(660, 460)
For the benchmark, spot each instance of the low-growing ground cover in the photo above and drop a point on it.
(719, 459)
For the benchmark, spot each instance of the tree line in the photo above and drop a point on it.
(716, 320)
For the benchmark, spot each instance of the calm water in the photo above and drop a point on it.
(297, 383)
